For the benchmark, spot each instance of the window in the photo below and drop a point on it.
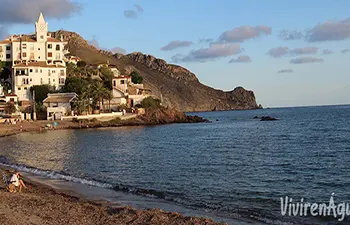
(0, 48)
(49, 81)
(41, 80)
(53, 80)
(30, 79)
(55, 105)
(38, 49)
(53, 71)
(36, 70)
(114, 83)
(12, 100)
(24, 54)
(41, 69)
(62, 72)
(49, 54)
(39, 57)
(25, 88)
(122, 82)
(8, 56)
(58, 47)
(41, 36)
(19, 89)
(24, 46)
(62, 81)
(31, 70)
(8, 48)
(49, 46)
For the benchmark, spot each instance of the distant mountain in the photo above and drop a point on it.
(177, 86)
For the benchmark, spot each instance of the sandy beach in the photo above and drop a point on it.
(42, 204)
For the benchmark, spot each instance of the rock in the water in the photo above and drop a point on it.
(268, 118)
(256, 117)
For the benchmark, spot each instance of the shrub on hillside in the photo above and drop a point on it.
(150, 102)
(136, 78)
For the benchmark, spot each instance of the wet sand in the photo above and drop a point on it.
(32, 126)
(42, 204)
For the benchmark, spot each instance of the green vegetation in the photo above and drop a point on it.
(136, 78)
(81, 64)
(10, 108)
(106, 75)
(92, 93)
(2, 65)
(41, 92)
(150, 102)
(75, 84)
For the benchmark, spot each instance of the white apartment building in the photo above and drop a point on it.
(36, 59)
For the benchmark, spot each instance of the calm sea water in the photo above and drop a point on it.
(235, 167)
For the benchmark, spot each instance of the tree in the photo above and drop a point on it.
(87, 94)
(109, 97)
(136, 78)
(107, 76)
(5, 72)
(72, 70)
(99, 93)
(150, 102)
(75, 84)
(81, 105)
(2, 65)
(81, 64)
(41, 92)
(10, 108)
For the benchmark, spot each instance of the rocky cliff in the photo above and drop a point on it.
(176, 86)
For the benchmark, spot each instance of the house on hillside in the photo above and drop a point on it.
(59, 104)
(35, 60)
(126, 92)
(72, 59)
(114, 70)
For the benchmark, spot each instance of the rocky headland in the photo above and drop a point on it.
(176, 86)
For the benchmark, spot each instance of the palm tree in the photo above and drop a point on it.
(88, 94)
(98, 93)
(109, 97)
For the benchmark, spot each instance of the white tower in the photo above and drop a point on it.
(41, 29)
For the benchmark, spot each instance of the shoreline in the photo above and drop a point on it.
(69, 205)
(151, 117)
(45, 204)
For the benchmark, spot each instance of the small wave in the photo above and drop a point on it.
(147, 192)
(55, 175)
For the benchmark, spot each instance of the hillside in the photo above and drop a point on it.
(177, 86)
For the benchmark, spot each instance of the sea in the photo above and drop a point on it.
(235, 169)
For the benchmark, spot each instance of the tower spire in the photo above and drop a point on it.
(41, 18)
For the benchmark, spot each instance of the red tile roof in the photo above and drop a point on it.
(24, 39)
(5, 42)
(51, 39)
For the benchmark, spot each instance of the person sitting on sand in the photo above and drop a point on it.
(16, 183)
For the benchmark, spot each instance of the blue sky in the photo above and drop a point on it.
(307, 76)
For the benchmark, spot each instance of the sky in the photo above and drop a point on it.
(290, 53)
